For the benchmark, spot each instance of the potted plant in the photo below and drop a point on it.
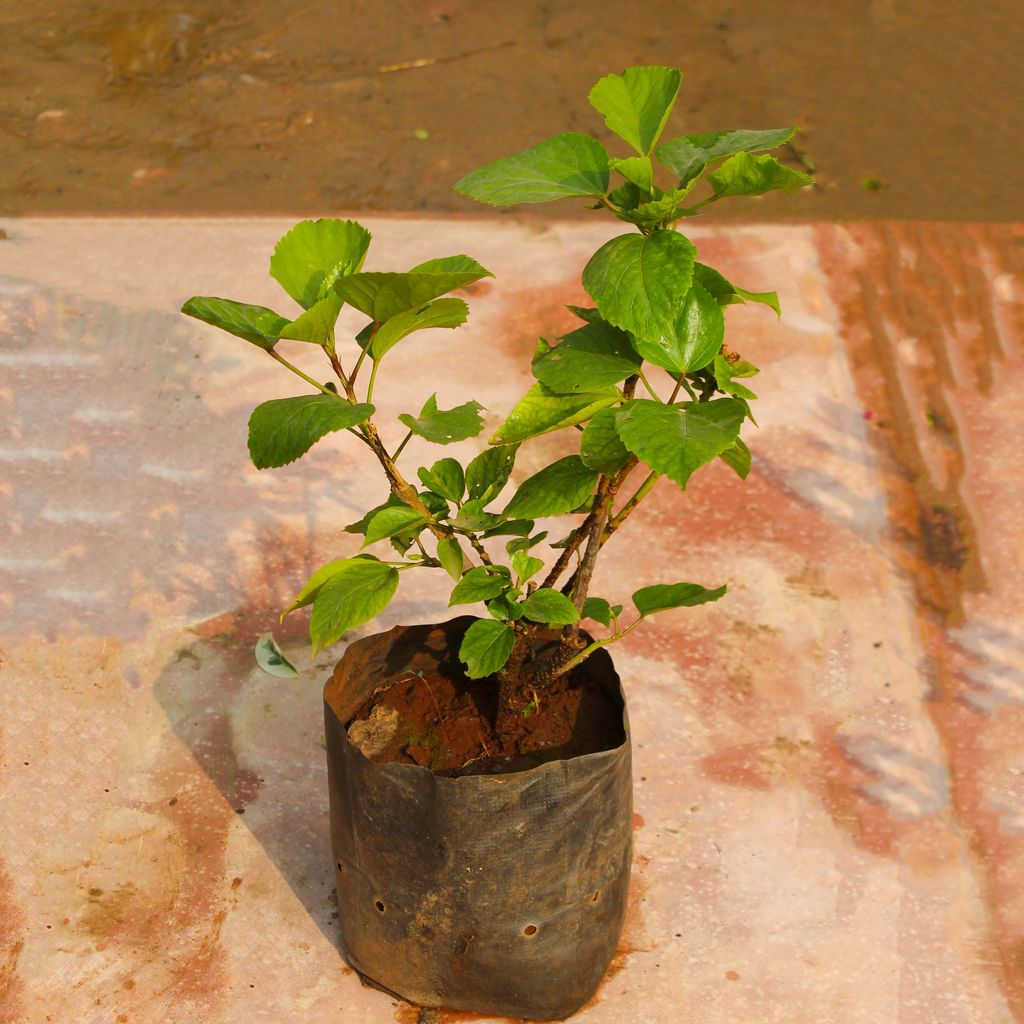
(479, 768)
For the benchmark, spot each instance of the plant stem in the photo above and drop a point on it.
(309, 380)
(373, 378)
(401, 447)
(623, 514)
(654, 394)
(689, 390)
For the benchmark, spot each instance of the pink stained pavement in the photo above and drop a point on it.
(829, 763)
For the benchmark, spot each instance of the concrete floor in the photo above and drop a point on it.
(829, 764)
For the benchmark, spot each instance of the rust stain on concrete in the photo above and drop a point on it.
(933, 326)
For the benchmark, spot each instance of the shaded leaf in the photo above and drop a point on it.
(639, 282)
(661, 209)
(571, 164)
(444, 426)
(451, 557)
(683, 156)
(636, 104)
(555, 490)
(588, 359)
(737, 458)
(283, 429)
(356, 593)
(675, 441)
(600, 446)
(505, 607)
(271, 658)
(256, 324)
(748, 175)
(314, 254)
(551, 607)
(598, 609)
(472, 517)
(488, 473)
(541, 410)
(445, 477)
(661, 597)
(486, 647)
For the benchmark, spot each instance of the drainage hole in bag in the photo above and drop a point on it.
(530, 930)
(379, 904)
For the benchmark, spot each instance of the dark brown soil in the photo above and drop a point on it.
(445, 723)
(196, 105)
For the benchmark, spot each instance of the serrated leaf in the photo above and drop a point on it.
(662, 209)
(451, 557)
(445, 477)
(639, 281)
(525, 543)
(555, 490)
(737, 458)
(394, 522)
(316, 325)
(486, 647)
(587, 359)
(271, 658)
(571, 164)
(256, 324)
(550, 607)
(283, 429)
(505, 608)
(726, 293)
(696, 337)
(356, 593)
(382, 295)
(590, 315)
(471, 516)
(445, 426)
(684, 155)
(598, 609)
(636, 169)
(636, 104)
(478, 584)
(676, 442)
(446, 312)
(314, 254)
(748, 175)
(541, 410)
(488, 473)
(458, 264)
(600, 446)
(525, 566)
(661, 597)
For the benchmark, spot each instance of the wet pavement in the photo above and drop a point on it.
(829, 778)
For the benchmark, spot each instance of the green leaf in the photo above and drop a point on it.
(639, 282)
(361, 525)
(312, 586)
(393, 522)
(676, 442)
(600, 446)
(271, 658)
(661, 209)
(541, 410)
(737, 458)
(444, 426)
(459, 264)
(486, 647)
(660, 597)
(285, 428)
(598, 609)
(356, 593)
(636, 104)
(588, 359)
(442, 313)
(317, 323)
(479, 584)
(747, 175)
(511, 527)
(445, 477)
(743, 368)
(488, 473)
(570, 164)
(256, 324)
(590, 315)
(526, 566)
(314, 254)
(636, 169)
(695, 339)
(472, 517)
(722, 372)
(555, 490)
(451, 557)
(550, 607)
(685, 155)
(383, 295)
(505, 608)
(726, 293)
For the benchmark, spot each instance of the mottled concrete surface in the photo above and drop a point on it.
(829, 763)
